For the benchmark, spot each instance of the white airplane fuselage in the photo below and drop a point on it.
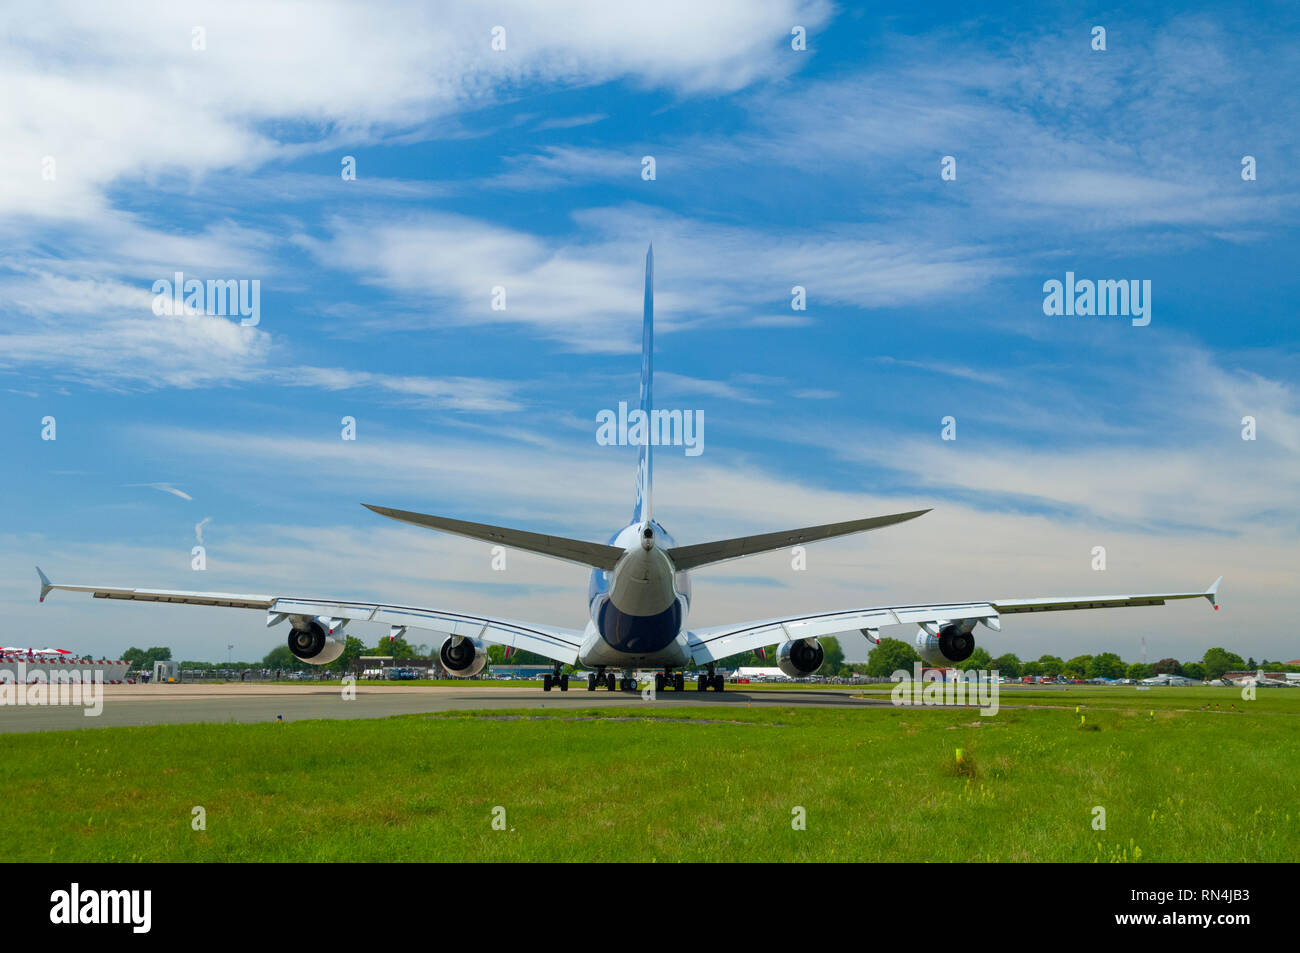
(637, 610)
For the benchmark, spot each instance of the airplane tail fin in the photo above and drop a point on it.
(644, 509)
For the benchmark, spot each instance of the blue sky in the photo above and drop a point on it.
(774, 168)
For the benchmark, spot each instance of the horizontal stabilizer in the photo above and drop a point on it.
(703, 554)
(596, 555)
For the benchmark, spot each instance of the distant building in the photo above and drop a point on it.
(1261, 677)
(377, 666)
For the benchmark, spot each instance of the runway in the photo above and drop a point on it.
(188, 704)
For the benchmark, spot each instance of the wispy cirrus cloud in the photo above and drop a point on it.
(582, 290)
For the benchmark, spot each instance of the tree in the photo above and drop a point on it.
(1194, 670)
(1052, 664)
(1032, 668)
(1219, 660)
(834, 656)
(281, 657)
(889, 656)
(1167, 666)
(353, 649)
(398, 648)
(1077, 667)
(1106, 665)
(979, 659)
(143, 659)
(1008, 665)
(1138, 671)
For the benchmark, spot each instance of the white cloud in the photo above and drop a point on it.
(585, 292)
(114, 92)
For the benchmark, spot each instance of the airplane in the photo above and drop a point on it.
(638, 597)
(14, 650)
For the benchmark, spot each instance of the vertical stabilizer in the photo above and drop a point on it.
(644, 476)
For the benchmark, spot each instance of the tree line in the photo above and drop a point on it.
(893, 654)
(884, 659)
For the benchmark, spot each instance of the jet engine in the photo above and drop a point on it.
(462, 657)
(946, 643)
(800, 657)
(317, 640)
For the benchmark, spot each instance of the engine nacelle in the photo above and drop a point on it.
(950, 643)
(463, 659)
(318, 640)
(800, 657)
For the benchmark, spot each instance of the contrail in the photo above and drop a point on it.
(166, 488)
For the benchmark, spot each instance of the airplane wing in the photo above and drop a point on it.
(553, 642)
(719, 642)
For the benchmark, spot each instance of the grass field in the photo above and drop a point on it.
(701, 783)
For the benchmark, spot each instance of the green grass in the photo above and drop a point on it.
(697, 783)
(1128, 697)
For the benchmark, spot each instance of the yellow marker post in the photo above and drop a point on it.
(959, 756)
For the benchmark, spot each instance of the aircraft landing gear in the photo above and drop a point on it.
(555, 680)
(673, 680)
(711, 680)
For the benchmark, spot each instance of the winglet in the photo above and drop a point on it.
(1213, 593)
(46, 585)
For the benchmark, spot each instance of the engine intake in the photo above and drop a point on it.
(463, 658)
(952, 643)
(317, 641)
(800, 657)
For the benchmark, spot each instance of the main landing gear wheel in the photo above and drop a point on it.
(717, 683)
(659, 682)
(702, 683)
(609, 681)
(679, 682)
(546, 682)
(564, 683)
